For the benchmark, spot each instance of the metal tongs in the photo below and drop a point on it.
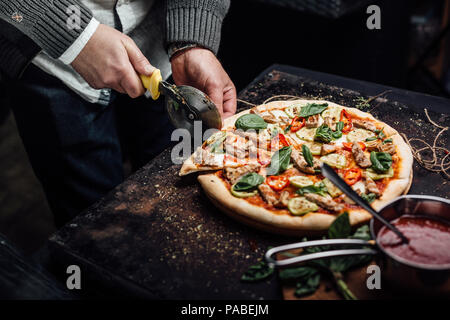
(184, 104)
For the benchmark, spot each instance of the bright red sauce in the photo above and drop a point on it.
(429, 240)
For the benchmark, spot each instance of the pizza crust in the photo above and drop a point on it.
(311, 223)
(261, 218)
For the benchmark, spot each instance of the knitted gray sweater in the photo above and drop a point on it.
(45, 21)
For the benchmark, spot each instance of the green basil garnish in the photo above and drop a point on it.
(311, 109)
(339, 126)
(338, 133)
(323, 134)
(387, 141)
(250, 122)
(320, 189)
(381, 161)
(369, 198)
(340, 228)
(280, 161)
(371, 139)
(248, 181)
(307, 155)
(257, 272)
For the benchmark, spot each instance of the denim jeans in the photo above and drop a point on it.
(76, 148)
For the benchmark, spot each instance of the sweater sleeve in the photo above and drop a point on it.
(196, 21)
(53, 24)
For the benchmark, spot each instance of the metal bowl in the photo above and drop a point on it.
(399, 273)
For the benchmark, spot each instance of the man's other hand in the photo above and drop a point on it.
(199, 68)
(111, 59)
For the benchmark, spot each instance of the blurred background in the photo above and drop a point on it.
(410, 51)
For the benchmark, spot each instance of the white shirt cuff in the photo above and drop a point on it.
(72, 52)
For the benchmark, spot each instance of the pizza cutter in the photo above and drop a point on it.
(184, 104)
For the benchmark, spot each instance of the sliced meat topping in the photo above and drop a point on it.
(364, 124)
(324, 202)
(270, 196)
(387, 147)
(258, 140)
(329, 122)
(313, 121)
(239, 147)
(327, 148)
(371, 186)
(251, 135)
(284, 199)
(372, 145)
(233, 174)
(202, 156)
(359, 156)
(301, 163)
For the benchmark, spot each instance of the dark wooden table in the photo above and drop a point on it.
(156, 235)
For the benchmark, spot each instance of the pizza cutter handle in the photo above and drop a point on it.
(318, 255)
(152, 83)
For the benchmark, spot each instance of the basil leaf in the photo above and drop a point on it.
(319, 189)
(248, 181)
(323, 133)
(387, 141)
(338, 133)
(369, 198)
(362, 233)
(308, 285)
(307, 155)
(257, 272)
(280, 161)
(339, 126)
(287, 129)
(340, 228)
(371, 139)
(311, 109)
(297, 273)
(381, 161)
(250, 121)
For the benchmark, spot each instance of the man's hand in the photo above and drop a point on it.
(200, 68)
(111, 59)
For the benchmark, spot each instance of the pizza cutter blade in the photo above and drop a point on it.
(184, 104)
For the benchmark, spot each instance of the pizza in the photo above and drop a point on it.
(263, 167)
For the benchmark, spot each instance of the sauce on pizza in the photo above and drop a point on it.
(271, 157)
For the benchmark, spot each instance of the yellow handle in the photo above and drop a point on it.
(152, 83)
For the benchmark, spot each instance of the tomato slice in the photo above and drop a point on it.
(352, 176)
(348, 146)
(297, 123)
(279, 141)
(347, 119)
(277, 183)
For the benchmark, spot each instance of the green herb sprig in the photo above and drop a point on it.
(308, 276)
(280, 161)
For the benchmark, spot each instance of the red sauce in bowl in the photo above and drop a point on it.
(429, 240)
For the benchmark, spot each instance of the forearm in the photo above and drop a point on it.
(196, 21)
(46, 22)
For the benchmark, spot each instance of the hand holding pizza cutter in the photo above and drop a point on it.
(184, 104)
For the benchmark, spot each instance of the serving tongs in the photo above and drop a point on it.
(184, 104)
